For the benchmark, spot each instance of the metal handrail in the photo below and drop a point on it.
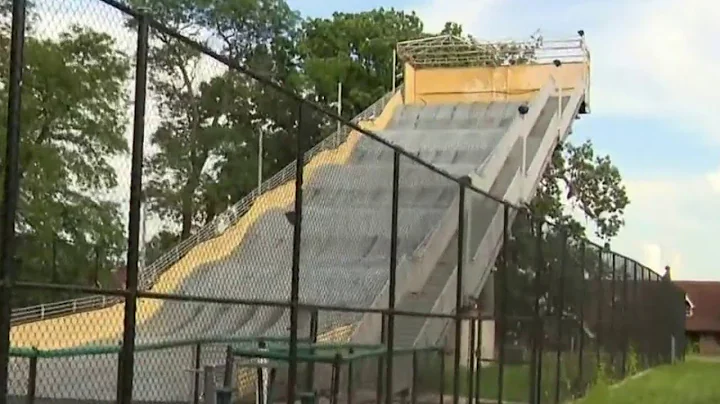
(150, 273)
(433, 51)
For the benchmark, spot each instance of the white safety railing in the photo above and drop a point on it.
(150, 274)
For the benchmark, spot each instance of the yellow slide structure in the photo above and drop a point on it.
(104, 324)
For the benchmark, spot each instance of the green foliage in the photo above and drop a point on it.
(355, 49)
(73, 88)
(633, 361)
(576, 176)
(160, 243)
(452, 28)
(603, 375)
(211, 122)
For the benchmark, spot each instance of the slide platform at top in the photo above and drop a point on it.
(466, 127)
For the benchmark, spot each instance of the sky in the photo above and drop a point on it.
(652, 97)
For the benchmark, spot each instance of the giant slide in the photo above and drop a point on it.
(464, 120)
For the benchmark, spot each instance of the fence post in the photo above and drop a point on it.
(504, 268)
(600, 299)
(393, 274)
(336, 378)
(471, 361)
(229, 366)
(613, 338)
(415, 369)
(459, 288)
(560, 306)
(310, 365)
(119, 369)
(635, 310)
(32, 377)
(196, 373)
(351, 353)
(381, 361)
(128, 349)
(581, 337)
(643, 327)
(478, 358)
(441, 378)
(538, 334)
(625, 322)
(303, 131)
(11, 187)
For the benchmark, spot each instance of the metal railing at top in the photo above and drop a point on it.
(150, 274)
(452, 51)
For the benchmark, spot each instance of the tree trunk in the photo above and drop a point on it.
(187, 215)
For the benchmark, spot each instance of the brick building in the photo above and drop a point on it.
(702, 313)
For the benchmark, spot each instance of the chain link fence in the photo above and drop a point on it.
(371, 269)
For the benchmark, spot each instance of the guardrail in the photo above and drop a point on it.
(433, 51)
(149, 274)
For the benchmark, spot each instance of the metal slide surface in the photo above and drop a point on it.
(344, 259)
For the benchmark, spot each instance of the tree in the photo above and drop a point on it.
(207, 142)
(73, 88)
(559, 254)
(592, 184)
(160, 243)
(355, 49)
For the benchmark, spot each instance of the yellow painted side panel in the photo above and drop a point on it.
(97, 325)
(485, 84)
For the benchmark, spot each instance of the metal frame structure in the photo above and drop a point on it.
(454, 51)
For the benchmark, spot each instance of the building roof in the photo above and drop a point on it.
(704, 297)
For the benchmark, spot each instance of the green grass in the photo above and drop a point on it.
(516, 379)
(692, 382)
(515, 382)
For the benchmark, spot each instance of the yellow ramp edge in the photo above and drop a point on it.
(98, 325)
